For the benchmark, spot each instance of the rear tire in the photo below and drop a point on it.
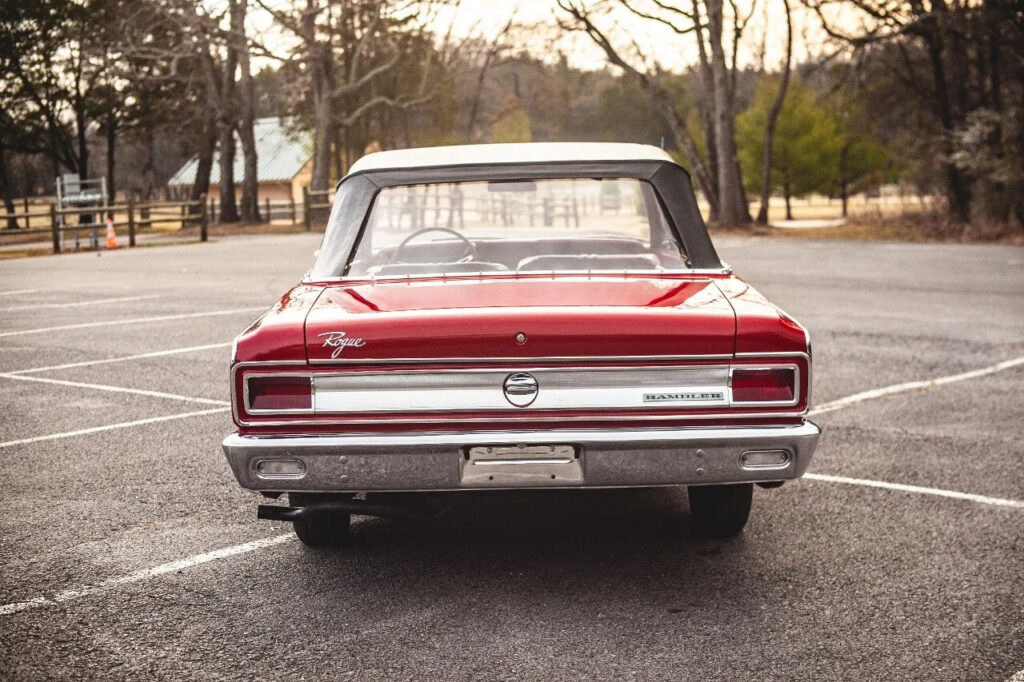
(324, 529)
(720, 511)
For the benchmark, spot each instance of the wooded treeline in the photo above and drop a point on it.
(931, 96)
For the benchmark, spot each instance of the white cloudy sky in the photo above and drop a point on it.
(541, 37)
(659, 42)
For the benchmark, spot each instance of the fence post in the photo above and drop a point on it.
(305, 209)
(131, 220)
(292, 199)
(203, 220)
(54, 229)
(28, 224)
(266, 216)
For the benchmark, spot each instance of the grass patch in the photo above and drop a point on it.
(902, 227)
(10, 254)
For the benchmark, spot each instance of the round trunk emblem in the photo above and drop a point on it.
(521, 389)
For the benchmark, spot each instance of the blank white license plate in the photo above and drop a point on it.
(521, 466)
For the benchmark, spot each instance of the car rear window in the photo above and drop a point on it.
(544, 225)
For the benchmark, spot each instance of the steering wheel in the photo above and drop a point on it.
(468, 255)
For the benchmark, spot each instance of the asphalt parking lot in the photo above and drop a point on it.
(127, 551)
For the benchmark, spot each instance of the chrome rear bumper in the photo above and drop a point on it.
(458, 461)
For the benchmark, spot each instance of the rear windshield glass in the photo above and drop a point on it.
(547, 225)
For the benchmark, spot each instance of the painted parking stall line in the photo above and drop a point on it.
(145, 574)
(136, 320)
(114, 389)
(917, 489)
(122, 358)
(908, 386)
(113, 427)
(75, 304)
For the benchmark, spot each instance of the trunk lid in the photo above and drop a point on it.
(483, 318)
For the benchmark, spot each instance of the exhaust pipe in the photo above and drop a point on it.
(275, 512)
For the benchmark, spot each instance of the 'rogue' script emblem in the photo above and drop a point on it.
(338, 341)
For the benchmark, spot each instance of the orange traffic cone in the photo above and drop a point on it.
(111, 235)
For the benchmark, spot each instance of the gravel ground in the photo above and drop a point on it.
(829, 581)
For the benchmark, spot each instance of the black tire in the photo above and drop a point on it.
(720, 511)
(325, 529)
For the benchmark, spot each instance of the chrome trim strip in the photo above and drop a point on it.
(507, 360)
(514, 274)
(516, 416)
(779, 354)
(480, 390)
(542, 437)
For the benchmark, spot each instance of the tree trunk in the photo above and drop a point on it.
(785, 191)
(83, 143)
(769, 128)
(958, 192)
(228, 205)
(733, 209)
(322, 137)
(7, 190)
(148, 166)
(844, 194)
(111, 131)
(207, 146)
(226, 135)
(321, 86)
(707, 112)
(250, 181)
(682, 136)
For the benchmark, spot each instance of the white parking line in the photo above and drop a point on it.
(123, 358)
(75, 304)
(18, 291)
(115, 389)
(914, 386)
(198, 559)
(111, 427)
(145, 574)
(939, 492)
(136, 320)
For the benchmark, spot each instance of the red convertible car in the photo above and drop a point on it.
(517, 316)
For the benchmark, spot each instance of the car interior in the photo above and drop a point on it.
(460, 255)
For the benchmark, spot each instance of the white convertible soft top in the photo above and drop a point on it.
(509, 153)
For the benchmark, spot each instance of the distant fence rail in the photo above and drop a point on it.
(134, 215)
(314, 204)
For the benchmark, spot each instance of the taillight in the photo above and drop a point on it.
(280, 393)
(763, 385)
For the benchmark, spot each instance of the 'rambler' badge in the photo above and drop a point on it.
(682, 397)
(338, 341)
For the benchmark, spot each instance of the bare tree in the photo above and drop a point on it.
(582, 20)
(490, 54)
(962, 62)
(246, 113)
(773, 117)
(719, 177)
(347, 47)
(733, 208)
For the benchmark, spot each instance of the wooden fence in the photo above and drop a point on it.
(132, 215)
